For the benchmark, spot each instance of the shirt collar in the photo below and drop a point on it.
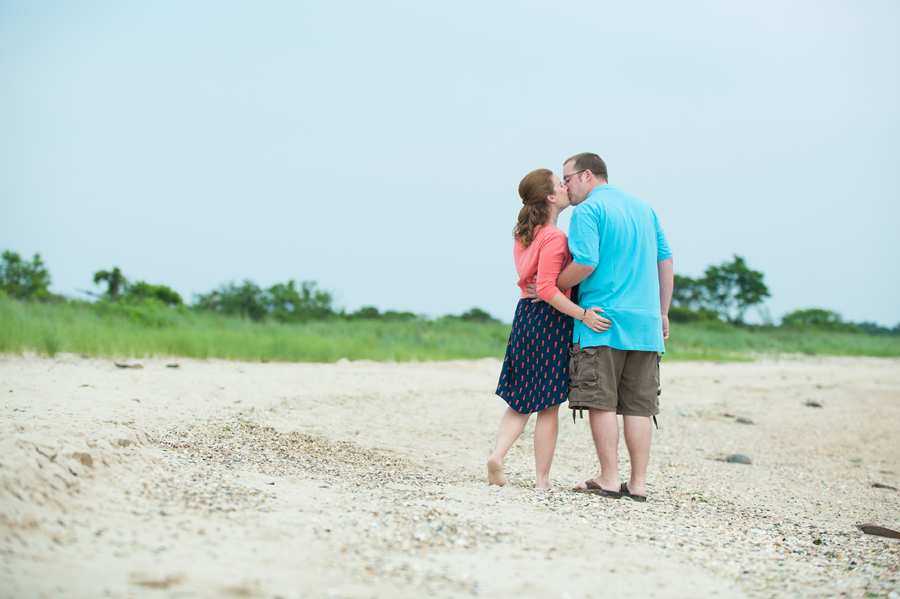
(601, 188)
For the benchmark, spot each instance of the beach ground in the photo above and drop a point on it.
(191, 478)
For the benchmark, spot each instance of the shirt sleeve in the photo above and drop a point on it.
(553, 255)
(584, 237)
(662, 243)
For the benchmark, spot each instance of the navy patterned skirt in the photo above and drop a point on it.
(535, 373)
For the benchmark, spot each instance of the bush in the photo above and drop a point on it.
(150, 312)
(288, 304)
(400, 316)
(683, 314)
(477, 315)
(24, 280)
(818, 318)
(246, 300)
(366, 313)
(140, 291)
(872, 328)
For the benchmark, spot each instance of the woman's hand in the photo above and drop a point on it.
(594, 321)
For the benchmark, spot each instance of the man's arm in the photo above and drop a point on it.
(666, 285)
(573, 274)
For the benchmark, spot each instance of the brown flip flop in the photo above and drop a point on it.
(629, 495)
(595, 489)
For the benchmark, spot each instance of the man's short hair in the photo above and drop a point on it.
(591, 162)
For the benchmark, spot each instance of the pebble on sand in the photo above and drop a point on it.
(736, 458)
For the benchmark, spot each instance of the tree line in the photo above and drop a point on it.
(725, 293)
(282, 302)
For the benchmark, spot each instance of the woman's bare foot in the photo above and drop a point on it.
(495, 472)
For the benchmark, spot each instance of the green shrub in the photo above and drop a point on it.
(818, 318)
(683, 314)
(20, 279)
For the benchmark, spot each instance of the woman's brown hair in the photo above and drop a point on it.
(533, 189)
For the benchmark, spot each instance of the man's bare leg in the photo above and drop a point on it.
(511, 426)
(605, 431)
(638, 431)
(546, 431)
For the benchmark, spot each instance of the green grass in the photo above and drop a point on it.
(129, 331)
(718, 341)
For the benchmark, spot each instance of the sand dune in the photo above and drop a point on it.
(218, 479)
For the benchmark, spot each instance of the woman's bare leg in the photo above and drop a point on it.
(511, 426)
(546, 431)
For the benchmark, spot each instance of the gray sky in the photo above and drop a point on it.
(376, 148)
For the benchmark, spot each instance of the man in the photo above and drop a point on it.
(622, 263)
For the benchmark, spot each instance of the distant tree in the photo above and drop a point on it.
(402, 316)
(367, 313)
(288, 304)
(818, 318)
(688, 293)
(24, 280)
(679, 313)
(873, 328)
(731, 288)
(477, 315)
(284, 302)
(246, 300)
(141, 290)
(316, 302)
(689, 302)
(115, 282)
(372, 313)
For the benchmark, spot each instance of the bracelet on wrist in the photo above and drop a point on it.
(583, 315)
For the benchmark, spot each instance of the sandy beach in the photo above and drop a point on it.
(359, 480)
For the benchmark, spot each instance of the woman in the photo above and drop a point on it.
(535, 375)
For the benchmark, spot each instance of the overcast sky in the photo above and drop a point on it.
(376, 147)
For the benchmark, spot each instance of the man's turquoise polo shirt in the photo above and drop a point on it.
(619, 235)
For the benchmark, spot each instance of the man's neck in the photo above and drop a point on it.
(596, 185)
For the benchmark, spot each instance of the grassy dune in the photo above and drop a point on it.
(123, 331)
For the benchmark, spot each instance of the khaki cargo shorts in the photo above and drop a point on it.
(614, 380)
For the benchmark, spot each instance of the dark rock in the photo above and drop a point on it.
(736, 458)
(883, 486)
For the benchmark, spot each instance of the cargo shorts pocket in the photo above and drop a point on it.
(658, 379)
(583, 373)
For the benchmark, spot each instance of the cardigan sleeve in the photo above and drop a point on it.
(553, 257)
